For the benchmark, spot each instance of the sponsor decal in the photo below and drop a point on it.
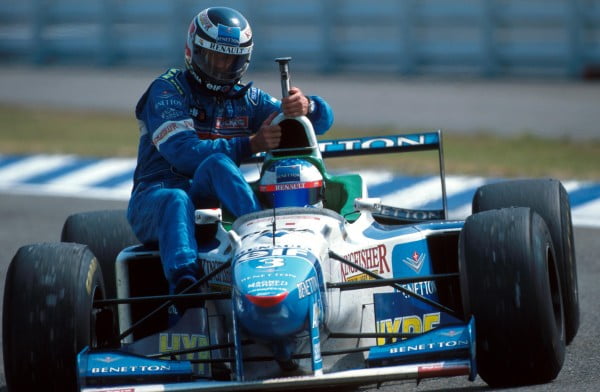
(402, 213)
(268, 251)
(267, 284)
(228, 35)
(451, 333)
(287, 173)
(379, 142)
(165, 94)
(316, 348)
(131, 369)
(429, 346)
(170, 128)
(440, 370)
(217, 87)
(168, 103)
(235, 50)
(199, 114)
(279, 233)
(108, 359)
(90, 275)
(253, 96)
(316, 317)
(374, 259)
(427, 288)
(171, 114)
(170, 74)
(169, 342)
(290, 187)
(171, 77)
(270, 234)
(223, 278)
(307, 287)
(276, 275)
(208, 135)
(232, 123)
(415, 262)
(407, 324)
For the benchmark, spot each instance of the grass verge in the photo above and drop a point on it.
(27, 130)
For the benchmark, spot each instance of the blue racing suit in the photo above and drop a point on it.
(191, 145)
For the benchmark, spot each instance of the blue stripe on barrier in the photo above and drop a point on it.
(10, 159)
(581, 194)
(67, 168)
(584, 194)
(114, 181)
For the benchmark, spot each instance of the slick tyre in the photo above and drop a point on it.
(48, 316)
(550, 200)
(510, 285)
(106, 233)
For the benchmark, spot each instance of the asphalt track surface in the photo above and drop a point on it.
(31, 219)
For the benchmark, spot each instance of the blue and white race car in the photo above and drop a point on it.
(349, 292)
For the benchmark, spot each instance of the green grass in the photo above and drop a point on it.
(30, 130)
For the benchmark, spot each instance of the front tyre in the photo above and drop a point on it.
(550, 200)
(510, 284)
(48, 315)
(106, 233)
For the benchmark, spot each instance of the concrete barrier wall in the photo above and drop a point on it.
(474, 37)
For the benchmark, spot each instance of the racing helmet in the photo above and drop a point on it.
(291, 182)
(218, 48)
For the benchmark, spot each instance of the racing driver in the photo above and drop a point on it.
(196, 125)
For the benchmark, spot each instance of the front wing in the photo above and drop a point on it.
(443, 352)
(348, 377)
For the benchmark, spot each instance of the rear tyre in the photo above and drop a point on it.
(106, 233)
(48, 317)
(510, 284)
(550, 200)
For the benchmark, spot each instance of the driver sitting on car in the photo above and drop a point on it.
(197, 125)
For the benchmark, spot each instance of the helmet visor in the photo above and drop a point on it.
(220, 66)
(292, 195)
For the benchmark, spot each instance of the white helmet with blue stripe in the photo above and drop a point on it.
(292, 182)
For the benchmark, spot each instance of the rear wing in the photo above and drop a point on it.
(349, 147)
(381, 144)
(374, 145)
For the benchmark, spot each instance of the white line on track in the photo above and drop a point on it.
(95, 173)
(32, 166)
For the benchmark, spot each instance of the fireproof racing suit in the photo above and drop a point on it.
(190, 147)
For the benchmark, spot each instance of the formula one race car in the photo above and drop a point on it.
(341, 290)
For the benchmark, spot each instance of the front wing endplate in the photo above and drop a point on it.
(348, 377)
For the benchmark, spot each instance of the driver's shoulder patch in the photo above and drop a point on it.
(253, 95)
(171, 77)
